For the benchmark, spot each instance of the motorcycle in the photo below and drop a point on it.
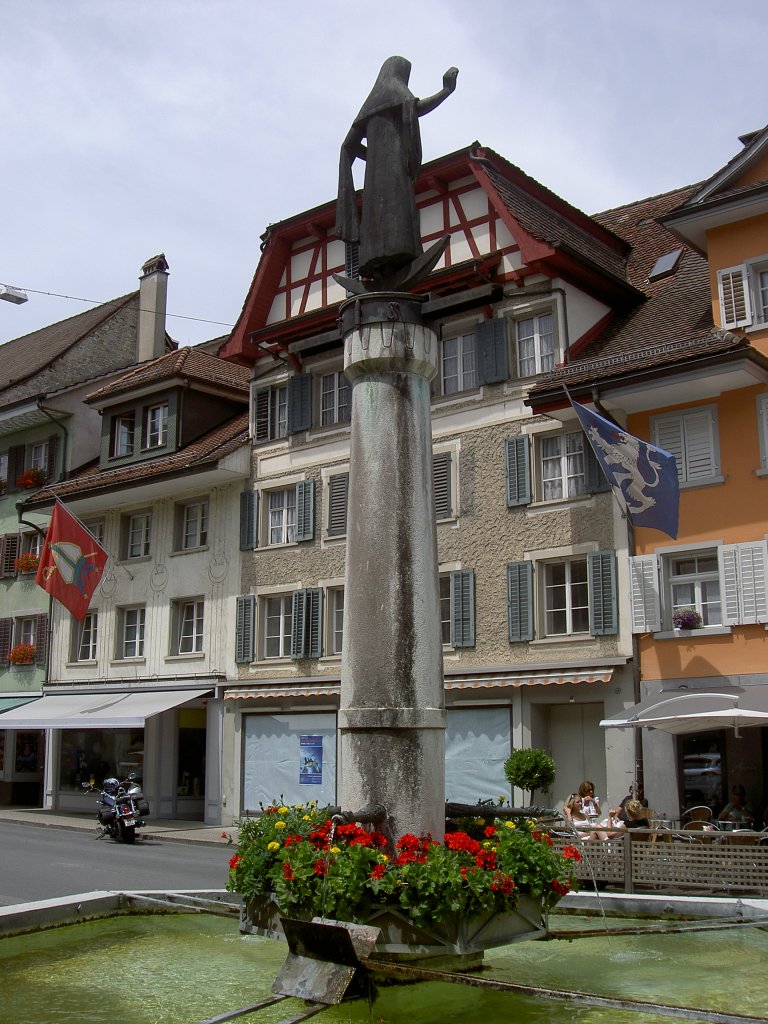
(121, 808)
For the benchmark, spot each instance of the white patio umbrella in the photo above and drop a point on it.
(685, 711)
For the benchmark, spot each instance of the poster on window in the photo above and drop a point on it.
(310, 760)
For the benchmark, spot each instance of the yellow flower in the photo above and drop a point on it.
(273, 846)
(479, 821)
(383, 858)
(487, 845)
(335, 849)
(306, 817)
(279, 824)
(282, 810)
(509, 824)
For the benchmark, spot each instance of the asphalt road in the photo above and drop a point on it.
(39, 863)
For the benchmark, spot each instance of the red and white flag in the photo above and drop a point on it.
(71, 562)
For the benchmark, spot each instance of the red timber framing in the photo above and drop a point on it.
(293, 294)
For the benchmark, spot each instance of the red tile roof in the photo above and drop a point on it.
(190, 363)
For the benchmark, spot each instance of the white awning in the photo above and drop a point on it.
(685, 711)
(517, 679)
(96, 710)
(8, 703)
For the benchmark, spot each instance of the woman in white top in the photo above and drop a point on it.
(573, 812)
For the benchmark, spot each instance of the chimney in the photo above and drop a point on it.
(153, 294)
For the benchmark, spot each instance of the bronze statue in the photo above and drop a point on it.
(388, 230)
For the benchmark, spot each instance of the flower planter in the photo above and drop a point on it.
(401, 939)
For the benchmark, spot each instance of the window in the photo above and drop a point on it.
(123, 428)
(457, 608)
(335, 620)
(32, 543)
(38, 457)
(25, 629)
(691, 437)
(445, 608)
(277, 625)
(282, 409)
(156, 425)
(307, 623)
(762, 430)
(334, 398)
(727, 584)
(187, 625)
(3, 471)
(84, 637)
(191, 525)
(136, 531)
(458, 366)
(566, 598)
(281, 523)
(575, 595)
(535, 337)
(130, 634)
(743, 293)
(563, 466)
(442, 484)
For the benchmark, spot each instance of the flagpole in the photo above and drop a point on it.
(623, 508)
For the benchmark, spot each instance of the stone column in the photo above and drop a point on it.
(392, 712)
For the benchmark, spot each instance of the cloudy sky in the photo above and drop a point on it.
(131, 127)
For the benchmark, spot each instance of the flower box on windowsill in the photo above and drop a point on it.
(687, 619)
(22, 655)
(31, 479)
(26, 563)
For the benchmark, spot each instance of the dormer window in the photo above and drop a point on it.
(122, 435)
(156, 425)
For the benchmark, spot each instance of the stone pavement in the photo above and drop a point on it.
(169, 830)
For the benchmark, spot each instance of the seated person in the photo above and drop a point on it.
(620, 812)
(590, 804)
(637, 815)
(573, 812)
(737, 810)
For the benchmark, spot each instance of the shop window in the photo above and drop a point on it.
(92, 755)
(191, 757)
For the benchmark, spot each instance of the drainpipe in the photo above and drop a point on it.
(62, 427)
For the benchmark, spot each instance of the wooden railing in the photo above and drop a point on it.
(667, 861)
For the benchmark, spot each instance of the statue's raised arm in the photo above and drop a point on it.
(388, 230)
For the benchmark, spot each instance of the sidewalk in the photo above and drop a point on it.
(168, 830)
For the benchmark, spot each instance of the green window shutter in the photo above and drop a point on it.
(41, 638)
(15, 466)
(172, 440)
(596, 480)
(518, 470)
(261, 414)
(307, 623)
(305, 510)
(463, 608)
(9, 552)
(244, 620)
(249, 520)
(6, 632)
(338, 489)
(441, 481)
(299, 403)
(492, 351)
(520, 601)
(603, 613)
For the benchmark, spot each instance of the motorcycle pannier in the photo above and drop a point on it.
(142, 806)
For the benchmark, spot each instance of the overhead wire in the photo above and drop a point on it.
(109, 302)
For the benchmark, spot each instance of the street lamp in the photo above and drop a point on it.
(11, 294)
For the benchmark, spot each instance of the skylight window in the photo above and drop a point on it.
(665, 265)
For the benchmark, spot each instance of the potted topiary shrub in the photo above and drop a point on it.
(531, 769)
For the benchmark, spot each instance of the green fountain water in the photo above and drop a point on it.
(182, 969)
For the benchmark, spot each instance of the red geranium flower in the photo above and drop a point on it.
(320, 868)
(490, 830)
(234, 861)
(571, 853)
(378, 871)
(287, 872)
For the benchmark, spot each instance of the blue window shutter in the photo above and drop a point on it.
(299, 403)
(298, 607)
(305, 510)
(315, 623)
(244, 620)
(602, 593)
(338, 488)
(441, 481)
(492, 351)
(261, 414)
(518, 469)
(596, 480)
(249, 520)
(463, 608)
(520, 601)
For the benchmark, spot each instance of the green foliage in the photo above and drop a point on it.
(531, 769)
(313, 868)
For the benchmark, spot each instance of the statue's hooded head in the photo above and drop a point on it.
(390, 88)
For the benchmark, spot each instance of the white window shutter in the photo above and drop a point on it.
(744, 582)
(668, 435)
(644, 592)
(700, 461)
(735, 305)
